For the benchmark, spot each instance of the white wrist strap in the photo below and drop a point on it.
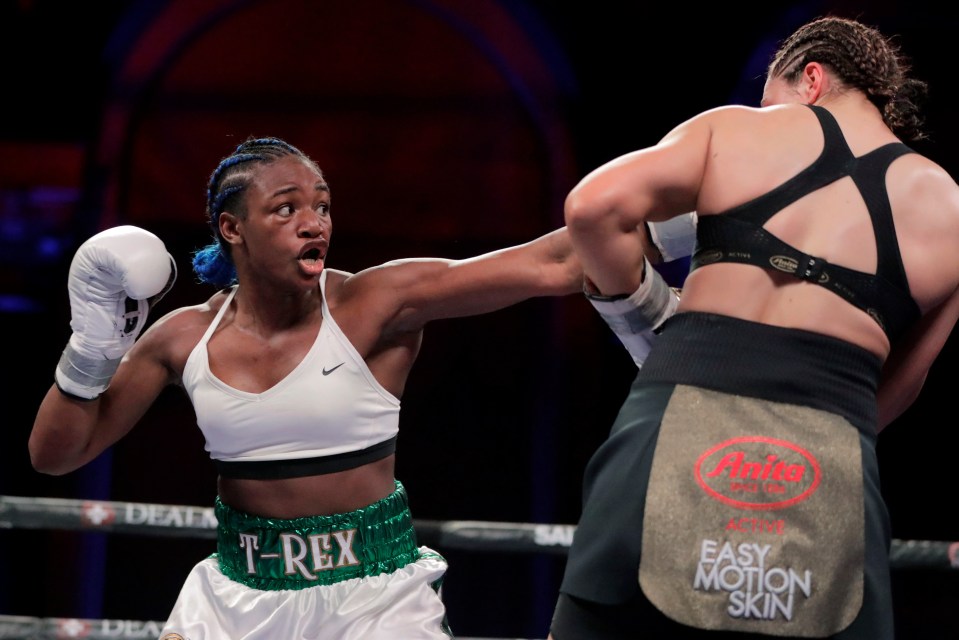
(635, 318)
(82, 376)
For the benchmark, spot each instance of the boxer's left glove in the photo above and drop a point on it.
(115, 277)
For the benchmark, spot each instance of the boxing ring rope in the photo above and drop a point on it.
(166, 520)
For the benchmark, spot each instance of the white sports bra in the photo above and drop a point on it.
(327, 415)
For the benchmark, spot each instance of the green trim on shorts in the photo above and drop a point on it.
(273, 554)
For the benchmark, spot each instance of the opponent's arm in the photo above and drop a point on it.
(98, 395)
(928, 234)
(635, 318)
(608, 210)
(908, 364)
(639, 205)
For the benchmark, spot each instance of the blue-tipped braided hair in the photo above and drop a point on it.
(213, 263)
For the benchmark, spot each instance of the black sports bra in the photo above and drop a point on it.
(737, 234)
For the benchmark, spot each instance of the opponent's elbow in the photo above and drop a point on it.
(48, 459)
(47, 466)
(591, 210)
(580, 213)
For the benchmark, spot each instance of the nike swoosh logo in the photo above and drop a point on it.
(327, 372)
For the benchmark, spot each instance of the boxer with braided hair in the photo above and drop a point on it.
(866, 61)
(212, 263)
(295, 371)
(738, 492)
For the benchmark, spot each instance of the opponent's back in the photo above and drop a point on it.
(820, 232)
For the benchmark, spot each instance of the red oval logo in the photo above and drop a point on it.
(759, 473)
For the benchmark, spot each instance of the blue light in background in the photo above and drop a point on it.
(11, 303)
(35, 236)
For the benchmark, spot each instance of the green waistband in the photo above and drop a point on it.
(273, 554)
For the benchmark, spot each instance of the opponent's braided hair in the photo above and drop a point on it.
(862, 58)
(213, 263)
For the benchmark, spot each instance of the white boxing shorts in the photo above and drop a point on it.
(351, 576)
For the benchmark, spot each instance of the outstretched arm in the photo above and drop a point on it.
(411, 293)
(422, 290)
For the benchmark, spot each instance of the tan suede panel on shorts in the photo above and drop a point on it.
(754, 517)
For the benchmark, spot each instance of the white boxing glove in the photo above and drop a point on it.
(675, 238)
(636, 317)
(115, 277)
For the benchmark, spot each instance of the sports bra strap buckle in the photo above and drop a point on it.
(811, 268)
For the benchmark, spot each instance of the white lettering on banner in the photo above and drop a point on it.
(251, 543)
(295, 549)
(549, 535)
(345, 540)
(294, 560)
(755, 589)
(130, 628)
(164, 516)
(320, 542)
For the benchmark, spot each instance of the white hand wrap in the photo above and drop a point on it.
(115, 277)
(635, 318)
(675, 238)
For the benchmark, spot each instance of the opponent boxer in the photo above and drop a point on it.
(738, 492)
(295, 371)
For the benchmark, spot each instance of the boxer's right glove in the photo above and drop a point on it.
(115, 277)
(635, 318)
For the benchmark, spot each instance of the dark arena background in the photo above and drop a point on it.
(445, 128)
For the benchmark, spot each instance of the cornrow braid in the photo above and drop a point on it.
(213, 264)
(862, 58)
